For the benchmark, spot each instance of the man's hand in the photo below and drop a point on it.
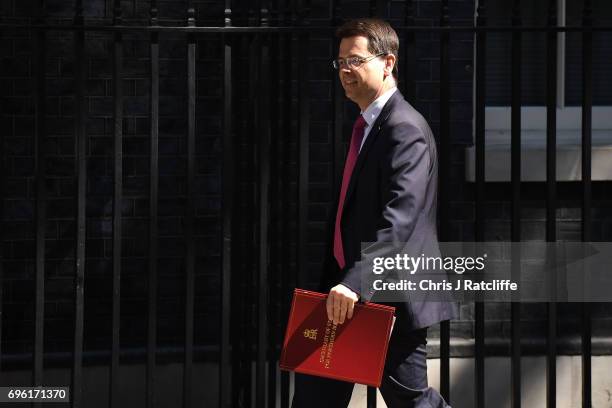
(340, 303)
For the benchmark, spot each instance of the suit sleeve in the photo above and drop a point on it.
(403, 189)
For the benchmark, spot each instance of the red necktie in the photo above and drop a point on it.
(351, 159)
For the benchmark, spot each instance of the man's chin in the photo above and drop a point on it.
(349, 95)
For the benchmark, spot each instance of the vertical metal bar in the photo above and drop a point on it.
(256, 149)
(587, 104)
(81, 145)
(338, 104)
(515, 227)
(275, 334)
(117, 198)
(516, 123)
(190, 210)
(445, 171)
(286, 283)
(153, 217)
(560, 54)
(409, 54)
(248, 218)
(227, 206)
(238, 285)
(303, 142)
(551, 176)
(480, 196)
(41, 201)
(264, 218)
(254, 213)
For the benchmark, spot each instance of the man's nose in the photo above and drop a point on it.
(344, 70)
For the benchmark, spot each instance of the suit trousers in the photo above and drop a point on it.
(404, 382)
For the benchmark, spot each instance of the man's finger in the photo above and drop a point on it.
(349, 312)
(343, 308)
(337, 307)
(330, 307)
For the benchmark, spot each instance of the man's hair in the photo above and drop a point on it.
(381, 36)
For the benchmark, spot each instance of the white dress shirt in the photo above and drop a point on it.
(373, 110)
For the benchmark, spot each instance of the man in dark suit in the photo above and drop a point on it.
(388, 195)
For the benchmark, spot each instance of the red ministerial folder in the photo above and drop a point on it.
(354, 351)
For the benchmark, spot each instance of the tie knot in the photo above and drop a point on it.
(360, 123)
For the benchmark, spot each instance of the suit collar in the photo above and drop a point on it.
(384, 114)
(371, 113)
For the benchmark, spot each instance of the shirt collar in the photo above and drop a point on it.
(374, 109)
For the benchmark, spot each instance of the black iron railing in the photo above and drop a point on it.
(264, 239)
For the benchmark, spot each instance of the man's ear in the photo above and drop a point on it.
(389, 64)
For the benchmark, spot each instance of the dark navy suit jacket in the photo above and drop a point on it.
(391, 199)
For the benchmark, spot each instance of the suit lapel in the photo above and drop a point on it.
(384, 114)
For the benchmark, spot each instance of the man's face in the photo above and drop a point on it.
(363, 84)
